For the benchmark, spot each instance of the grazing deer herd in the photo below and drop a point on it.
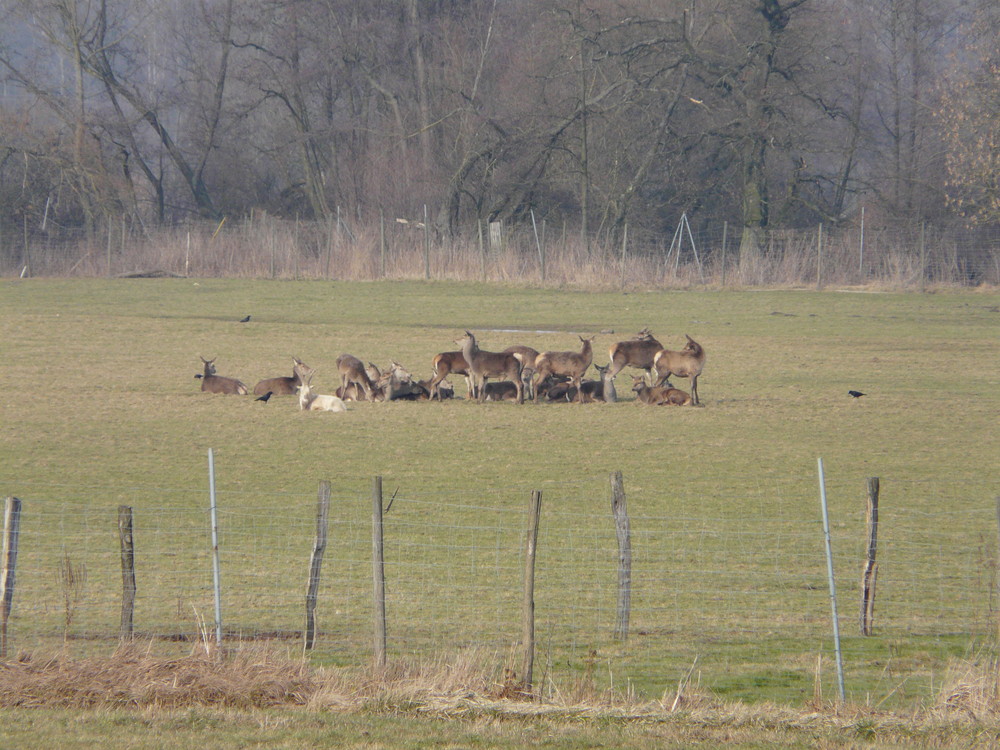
(514, 374)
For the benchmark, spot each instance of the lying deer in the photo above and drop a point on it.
(687, 363)
(399, 385)
(212, 383)
(571, 364)
(500, 390)
(443, 365)
(598, 390)
(283, 386)
(553, 388)
(484, 365)
(309, 401)
(352, 372)
(638, 352)
(658, 395)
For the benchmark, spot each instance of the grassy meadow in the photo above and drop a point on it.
(100, 407)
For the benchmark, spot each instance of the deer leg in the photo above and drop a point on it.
(433, 388)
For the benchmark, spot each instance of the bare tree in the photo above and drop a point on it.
(967, 114)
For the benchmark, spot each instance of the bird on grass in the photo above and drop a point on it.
(265, 397)
(855, 394)
(245, 320)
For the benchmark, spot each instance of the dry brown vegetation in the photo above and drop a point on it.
(467, 683)
(266, 247)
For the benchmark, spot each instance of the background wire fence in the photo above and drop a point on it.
(262, 246)
(743, 589)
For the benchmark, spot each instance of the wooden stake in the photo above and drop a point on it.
(378, 572)
(868, 577)
(126, 542)
(624, 534)
(11, 529)
(316, 561)
(528, 608)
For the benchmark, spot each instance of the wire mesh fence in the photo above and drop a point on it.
(738, 584)
(263, 246)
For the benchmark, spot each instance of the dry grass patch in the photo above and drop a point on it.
(972, 687)
(132, 677)
(267, 689)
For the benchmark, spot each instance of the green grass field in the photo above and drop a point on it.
(100, 407)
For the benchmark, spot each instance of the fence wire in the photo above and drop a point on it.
(905, 255)
(739, 583)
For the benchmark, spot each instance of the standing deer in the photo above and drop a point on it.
(443, 365)
(687, 363)
(284, 386)
(637, 352)
(658, 395)
(528, 356)
(571, 364)
(352, 371)
(484, 365)
(212, 383)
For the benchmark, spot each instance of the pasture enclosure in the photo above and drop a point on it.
(349, 248)
(743, 597)
(728, 569)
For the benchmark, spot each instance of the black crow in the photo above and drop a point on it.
(265, 397)
(856, 394)
(245, 320)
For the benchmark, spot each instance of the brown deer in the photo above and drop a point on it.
(598, 390)
(283, 386)
(484, 365)
(658, 395)
(443, 365)
(528, 357)
(212, 383)
(500, 390)
(571, 364)
(555, 385)
(352, 372)
(398, 385)
(637, 352)
(687, 363)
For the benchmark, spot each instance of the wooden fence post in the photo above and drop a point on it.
(11, 528)
(725, 230)
(378, 572)
(316, 561)
(482, 246)
(126, 541)
(870, 573)
(819, 257)
(624, 534)
(381, 241)
(427, 245)
(998, 558)
(528, 609)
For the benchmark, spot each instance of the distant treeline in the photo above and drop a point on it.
(604, 120)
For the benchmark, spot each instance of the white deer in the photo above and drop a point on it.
(309, 401)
